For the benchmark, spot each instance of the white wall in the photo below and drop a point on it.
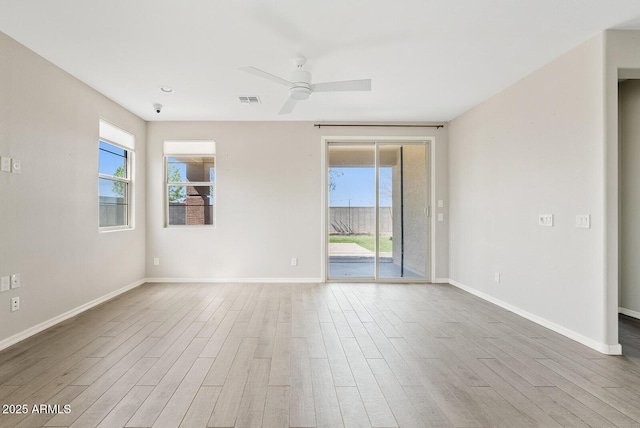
(629, 114)
(49, 212)
(537, 147)
(269, 207)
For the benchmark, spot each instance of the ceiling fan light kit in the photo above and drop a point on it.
(301, 88)
(300, 92)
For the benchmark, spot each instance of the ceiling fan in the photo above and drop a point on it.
(300, 86)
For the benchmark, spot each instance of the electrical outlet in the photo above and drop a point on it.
(496, 277)
(583, 221)
(15, 304)
(5, 164)
(545, 220)
(156, 261)
(15, 280)
(15, 166)
(294, 261)
(5, 284)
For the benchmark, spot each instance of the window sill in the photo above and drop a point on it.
(190, 226)
(114, 229)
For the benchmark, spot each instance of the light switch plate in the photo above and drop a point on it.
(15, 166)
(440, 217)
(5, 164)
(15, 280)
(440, 203)
(583, 221)
(4, 284)
(545, 220)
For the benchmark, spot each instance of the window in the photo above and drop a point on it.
(190, 182)
(115, 172)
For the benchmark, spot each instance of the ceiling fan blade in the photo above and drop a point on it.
(288, 106)
(265, 75)
(345, 85)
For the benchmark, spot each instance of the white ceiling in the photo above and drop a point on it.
(430, 60)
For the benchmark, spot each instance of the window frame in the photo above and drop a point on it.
(190, 149)
(128, 181)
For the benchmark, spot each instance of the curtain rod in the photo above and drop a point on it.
(320, 125)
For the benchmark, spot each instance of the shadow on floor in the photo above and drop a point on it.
(364, 267)
(629, 336)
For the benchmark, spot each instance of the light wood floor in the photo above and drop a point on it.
(307, 355)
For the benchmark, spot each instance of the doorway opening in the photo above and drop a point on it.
(629, 206)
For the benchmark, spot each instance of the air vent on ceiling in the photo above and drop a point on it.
(249, 100)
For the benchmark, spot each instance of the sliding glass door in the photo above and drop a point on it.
(352, 204)
(402, 196)
(377, 211)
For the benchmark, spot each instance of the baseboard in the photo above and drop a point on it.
(629, 312)
(600, 347)
(441, 281)
(246, 280)
(613, 349)
(19, 337)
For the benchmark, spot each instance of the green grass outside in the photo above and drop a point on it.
(365, 241)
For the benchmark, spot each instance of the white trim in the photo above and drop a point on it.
(628, 312)
(187, 184)
(129, 180)
(431, 200)
(612, 349)
(25, 334)
(114, 134)
(246, 280)
(600, 347)
(376, 186)
(441, 281)
(324, 227)
(114, 178)
(109, 229)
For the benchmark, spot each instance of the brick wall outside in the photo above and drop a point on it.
(195, 209)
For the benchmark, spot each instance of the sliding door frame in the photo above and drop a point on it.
(430, 262)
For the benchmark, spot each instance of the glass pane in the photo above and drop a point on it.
(352, 219)
(190, 205)
(185, 169)
(113, 203)
(112, 160)
(402, 199)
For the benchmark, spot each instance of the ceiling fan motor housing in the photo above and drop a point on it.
(301, 88)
